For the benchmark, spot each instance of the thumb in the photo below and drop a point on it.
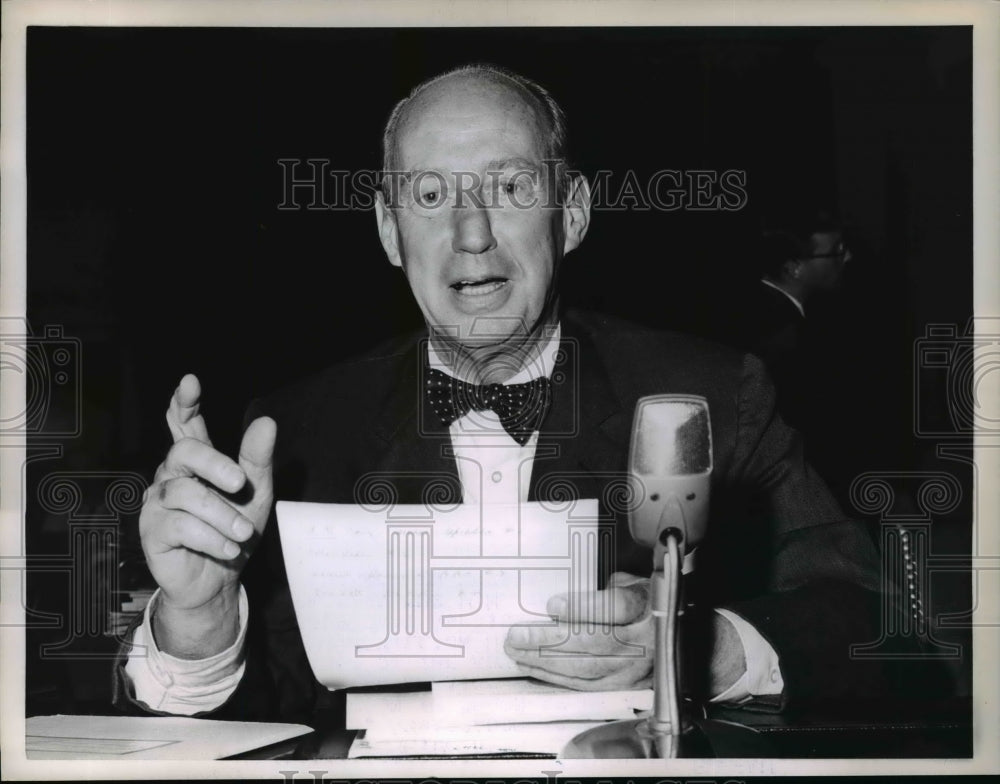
(257, 451)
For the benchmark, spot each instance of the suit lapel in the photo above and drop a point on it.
(583, 448)
(413, 448)
(585, 436)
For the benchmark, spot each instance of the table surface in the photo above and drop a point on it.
(939, 729)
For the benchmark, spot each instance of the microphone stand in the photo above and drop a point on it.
(664, 726)
(658, 736)
(664, 734)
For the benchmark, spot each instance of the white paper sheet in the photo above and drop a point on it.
(427, 595)
(528, 700)
(156, 737)
(548, 739)
(471, 703)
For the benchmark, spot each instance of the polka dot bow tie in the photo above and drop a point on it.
(521, 407)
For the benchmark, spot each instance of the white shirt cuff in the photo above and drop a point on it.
(184, 686)
(763, 673)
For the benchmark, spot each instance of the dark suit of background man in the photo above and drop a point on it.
(801, 262)
(479, 225)
(787, 320)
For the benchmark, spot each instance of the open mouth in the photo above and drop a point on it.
(479, 287)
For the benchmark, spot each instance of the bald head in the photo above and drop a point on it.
(476, 87)
(479, 228)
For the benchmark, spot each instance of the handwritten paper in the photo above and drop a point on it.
(427, 595)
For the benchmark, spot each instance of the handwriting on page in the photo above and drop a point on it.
(415, 596)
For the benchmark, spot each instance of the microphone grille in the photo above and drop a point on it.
(672, 436)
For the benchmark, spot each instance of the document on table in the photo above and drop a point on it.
(472, 703)
(148, 737)
(517, 716)
(545, 740)
(415, 593)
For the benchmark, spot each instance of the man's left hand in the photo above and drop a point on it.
(602, 640)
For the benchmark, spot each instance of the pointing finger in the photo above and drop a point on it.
(183, 417)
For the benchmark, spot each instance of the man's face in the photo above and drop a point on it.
(475, 226)
(824, 269)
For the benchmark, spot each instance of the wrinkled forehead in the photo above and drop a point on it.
(468, 114)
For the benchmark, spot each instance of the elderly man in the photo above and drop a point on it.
(478, 211)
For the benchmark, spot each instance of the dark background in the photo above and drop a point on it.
(155, 236)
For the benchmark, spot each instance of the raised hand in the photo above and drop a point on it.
(199, 520)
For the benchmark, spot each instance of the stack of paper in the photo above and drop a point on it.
(429, 595)
(507, 740)
(508, 717)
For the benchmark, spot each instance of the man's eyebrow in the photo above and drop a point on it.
(513, 163)
(495, 165)
(411, 174)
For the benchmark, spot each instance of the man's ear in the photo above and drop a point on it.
(576, 213)
(388, 231)
(792, 269)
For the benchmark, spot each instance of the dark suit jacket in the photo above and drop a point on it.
(779, 551)
(817, 365)
(771, 327)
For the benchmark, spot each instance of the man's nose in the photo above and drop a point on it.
(473, 229)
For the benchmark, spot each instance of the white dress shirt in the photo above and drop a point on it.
(493, 469)
(798, 305)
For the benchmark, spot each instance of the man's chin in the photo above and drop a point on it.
(494, 360)
(490, 329)
(504, 328)
(475, 344)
